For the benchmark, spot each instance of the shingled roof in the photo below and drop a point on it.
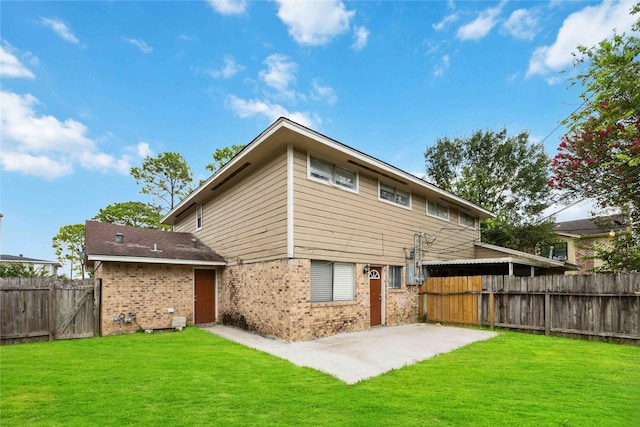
(591, 226)
(146, 245)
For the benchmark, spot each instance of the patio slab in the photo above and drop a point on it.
(356, 356)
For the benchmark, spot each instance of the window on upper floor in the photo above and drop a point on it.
(395, 277)
(330, 174)
(467, 220)
(394, 195)
(437, 210)
(332, 281)
(199, 217)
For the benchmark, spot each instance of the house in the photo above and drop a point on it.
(47, 268)
(307, 237)
(580, 237)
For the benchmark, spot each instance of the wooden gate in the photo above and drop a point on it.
(451, 299)
(44, 309)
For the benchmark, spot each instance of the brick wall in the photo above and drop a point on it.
(273, 298)
(146, 289)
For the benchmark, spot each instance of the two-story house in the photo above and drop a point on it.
(317, 238)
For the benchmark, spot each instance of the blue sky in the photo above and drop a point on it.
(90, 88)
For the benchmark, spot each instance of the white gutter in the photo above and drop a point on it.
(148, 260)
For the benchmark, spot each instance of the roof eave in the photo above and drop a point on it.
(150, 260)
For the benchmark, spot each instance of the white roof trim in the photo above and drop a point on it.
(286, 123)
(505, 260)
(148, 260)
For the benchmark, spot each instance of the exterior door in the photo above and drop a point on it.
(204, 300)
(375, 295)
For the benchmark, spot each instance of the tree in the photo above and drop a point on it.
(166, 177)
(504, 174)
(69, 245)
(132, 214)
(599, 157)
(222, 155)
(19, 269)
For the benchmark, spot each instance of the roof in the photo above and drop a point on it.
(511, 257)
(20, 258)
(146, 245)
(591, 226)
(283, 132)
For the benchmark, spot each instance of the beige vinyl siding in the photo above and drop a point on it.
(334, 224)
(247, 221)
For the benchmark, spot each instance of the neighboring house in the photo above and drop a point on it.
(579, 237)
(48, 268)
(317, 238)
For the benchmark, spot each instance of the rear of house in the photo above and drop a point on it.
(320, 238)
(298, 237)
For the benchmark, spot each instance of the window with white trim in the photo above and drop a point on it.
(394, 195)
(437, 210)
(199, 217)
(466, 220)
(332, 281)
(395, 277)
(330, 174)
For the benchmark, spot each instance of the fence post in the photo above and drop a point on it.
(491, 311)
(52, 297)
(547, 313)
(97, 289)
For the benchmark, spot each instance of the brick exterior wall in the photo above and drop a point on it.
(273, 298)
(146, 289)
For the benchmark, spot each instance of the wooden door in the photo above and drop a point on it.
(204, 300)
(375, 295)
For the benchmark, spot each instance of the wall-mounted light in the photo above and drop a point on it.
(366, 269)
(612, 233)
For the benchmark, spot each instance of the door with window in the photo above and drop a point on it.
(204, 299)
(375, 295)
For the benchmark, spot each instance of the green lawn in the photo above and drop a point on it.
(195, 378)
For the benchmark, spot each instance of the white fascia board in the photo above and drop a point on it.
(520, 254)
(146, 260)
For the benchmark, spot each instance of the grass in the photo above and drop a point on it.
(195, 378)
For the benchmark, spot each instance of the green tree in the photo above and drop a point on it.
(599, 157)
(222, 155)
(19, 269)
(166, 178)
(69, 245)
(504, 174)
(132, 214)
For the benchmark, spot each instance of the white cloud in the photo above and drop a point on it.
(140, 44)
(314, 23)
(280, 73)
(522, 24)
(449, 19)
(10, 65)
(231, 68)
(61, 29)
(361, 35)
(480, 27)
(442, 67)
(229, 7)
(143, 150)
(586, 27)
(254, 107)
(44, 146)
(323, 93)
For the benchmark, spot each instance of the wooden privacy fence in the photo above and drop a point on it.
(595, 305)
(46, 308)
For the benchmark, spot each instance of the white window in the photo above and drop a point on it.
(393, 195)
(467, 220)
(199, 217)
(332, 281)
(437, 210)
(395, 277)
(331, 174)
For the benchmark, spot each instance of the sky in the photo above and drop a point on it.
(89, 89)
